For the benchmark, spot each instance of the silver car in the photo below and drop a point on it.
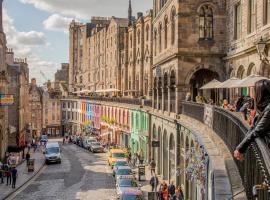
(126, 184)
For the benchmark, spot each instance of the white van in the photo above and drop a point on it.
(52, 153)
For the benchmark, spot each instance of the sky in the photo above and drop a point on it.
(38, 29)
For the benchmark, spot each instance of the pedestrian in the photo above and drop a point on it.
(153, 166)
(165, 190)
(171, 189)
(154, 183)
(14, 175)
(8, 175)
(29, 146)
(141, 157)
(27, 158)
(179, 195)
(129, 157)
(63, 140)
(2, 172)
(135, 159)
(160, 192)
(261, 123)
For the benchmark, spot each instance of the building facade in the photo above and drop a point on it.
(248, 23)
(62, 75)
(36, 109)
(3, 88)
(19, 112)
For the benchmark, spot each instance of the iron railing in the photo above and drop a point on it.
(256, 167)
(133, 101)
(193, 110)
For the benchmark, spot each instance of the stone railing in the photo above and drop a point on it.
(255, 170)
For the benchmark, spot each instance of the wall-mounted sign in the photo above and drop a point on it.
(6, 99)
(155, 144)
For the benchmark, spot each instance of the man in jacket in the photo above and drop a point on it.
(154, 183)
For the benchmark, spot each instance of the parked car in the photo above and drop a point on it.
(122, 170)
(96, 147)
(44, 139)
(85, 143)
(131, 194)
(119, 163)
(114, 155)
(52, 153)
(126, 183)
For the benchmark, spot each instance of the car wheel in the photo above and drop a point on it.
(59, 162)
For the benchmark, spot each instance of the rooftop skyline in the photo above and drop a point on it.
(38, 30)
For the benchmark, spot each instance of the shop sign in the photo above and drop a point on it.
(155, 143)
(6, 99)
(141, 173)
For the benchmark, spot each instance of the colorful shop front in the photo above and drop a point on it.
(115, 125)
(139, 133)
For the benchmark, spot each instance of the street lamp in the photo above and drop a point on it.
(261, 50)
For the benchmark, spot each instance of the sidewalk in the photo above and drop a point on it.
(145, 185)
(23, 174)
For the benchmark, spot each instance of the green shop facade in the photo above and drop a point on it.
(139, 133)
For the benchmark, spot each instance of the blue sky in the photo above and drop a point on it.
(38, 29)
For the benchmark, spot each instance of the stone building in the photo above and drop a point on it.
(36, 107)
(189, 44)
(247, 23)
(52, 94)
(18, 86)
(139, 55)
(106, 58)
(62, 75)
(3, 88)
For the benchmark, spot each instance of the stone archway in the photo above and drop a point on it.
(158, 151)
(165, 155)
(165, 91)
(265, 70)
(172, 90)
(172, 151)
(200, 78)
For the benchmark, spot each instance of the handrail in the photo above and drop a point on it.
(255, 170)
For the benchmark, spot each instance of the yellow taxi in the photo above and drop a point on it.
(115, 155)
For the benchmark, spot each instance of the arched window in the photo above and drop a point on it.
(173, 25)
(165, 32)
(206, 23)
(160, 36)
(155, 42)
(147, 32)
(139, 36)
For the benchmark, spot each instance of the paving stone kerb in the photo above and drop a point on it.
(23, 175)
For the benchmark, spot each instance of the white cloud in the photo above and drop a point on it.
(26, 45)
(84, 9)
(57, 22)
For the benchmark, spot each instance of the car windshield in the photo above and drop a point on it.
(121, 163)
(127, 183)
(96, 144)
(44, 137)
(52, 150)
(123, 172)
(118, 155)
(132, 197)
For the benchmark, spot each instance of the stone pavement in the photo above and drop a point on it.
(23, 175)
(145, 185)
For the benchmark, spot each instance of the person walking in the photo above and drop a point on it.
(27, 157)
(160, 192)
(165, 190)
(8, 175)
(171, 189)
(154, 183)
(261, 123)
(179, 195)
(14, 174)
(2, 172)
(153, 166)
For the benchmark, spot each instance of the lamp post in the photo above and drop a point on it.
(261, 50)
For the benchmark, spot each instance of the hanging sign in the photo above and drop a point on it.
(6, 99)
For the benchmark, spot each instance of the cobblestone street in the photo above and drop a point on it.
(82, 175)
